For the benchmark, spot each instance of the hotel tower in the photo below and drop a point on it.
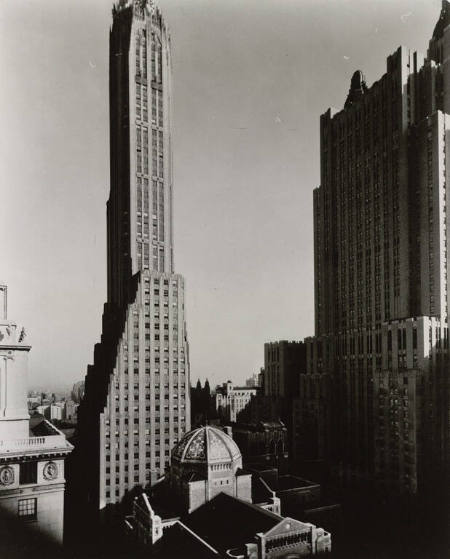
(380, 351)
(136, 406)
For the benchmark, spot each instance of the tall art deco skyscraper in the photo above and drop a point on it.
(381, 276)
(136, 405)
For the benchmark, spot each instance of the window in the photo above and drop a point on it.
(27, 509)
(28, 473)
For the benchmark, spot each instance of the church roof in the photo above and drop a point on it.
(206, 444)
(226, 522)
(179, 541)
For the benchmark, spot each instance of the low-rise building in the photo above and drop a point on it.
(71, 411)
(43, 410)
(253, 381)
(231, 400)
(58, 411)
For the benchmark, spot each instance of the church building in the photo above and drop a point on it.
(205, 503)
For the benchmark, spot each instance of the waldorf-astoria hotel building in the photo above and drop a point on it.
(381, 274)
(136, 406)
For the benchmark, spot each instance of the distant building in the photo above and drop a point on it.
(203, 405)
(211, 503)
(231, 400)
(264, 441)
(253, 381)
(43, 410)
(58, 411)
(78, 391)
(283, 363)
(32, 451)
(71, 411)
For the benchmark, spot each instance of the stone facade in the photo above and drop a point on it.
(379, 359)
(32, 451)
(232, 400)
(291, 538)
(205, 463)
(136, 405)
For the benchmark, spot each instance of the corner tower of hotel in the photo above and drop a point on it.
(381, 273)
(136, 406)
(32, 450)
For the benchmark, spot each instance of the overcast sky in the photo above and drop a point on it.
(251, 78)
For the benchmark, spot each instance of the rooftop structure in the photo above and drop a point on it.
(204, 463)
(242, 530)
(232, 400)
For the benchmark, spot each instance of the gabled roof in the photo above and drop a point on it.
(39, 427)
(289, 525)
(226, 522)
(161, 500)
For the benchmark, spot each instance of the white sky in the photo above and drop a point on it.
(251, 79)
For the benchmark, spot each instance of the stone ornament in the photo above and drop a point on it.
(50, 471)
(218, 450)
(197, 447)
(6, 475)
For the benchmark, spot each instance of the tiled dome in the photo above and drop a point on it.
(206, 445)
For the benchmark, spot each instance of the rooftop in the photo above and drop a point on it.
(161, 499)
(44, 437)
(241, 519)
(179, 541)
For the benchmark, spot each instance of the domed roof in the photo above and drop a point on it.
(206, 444)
